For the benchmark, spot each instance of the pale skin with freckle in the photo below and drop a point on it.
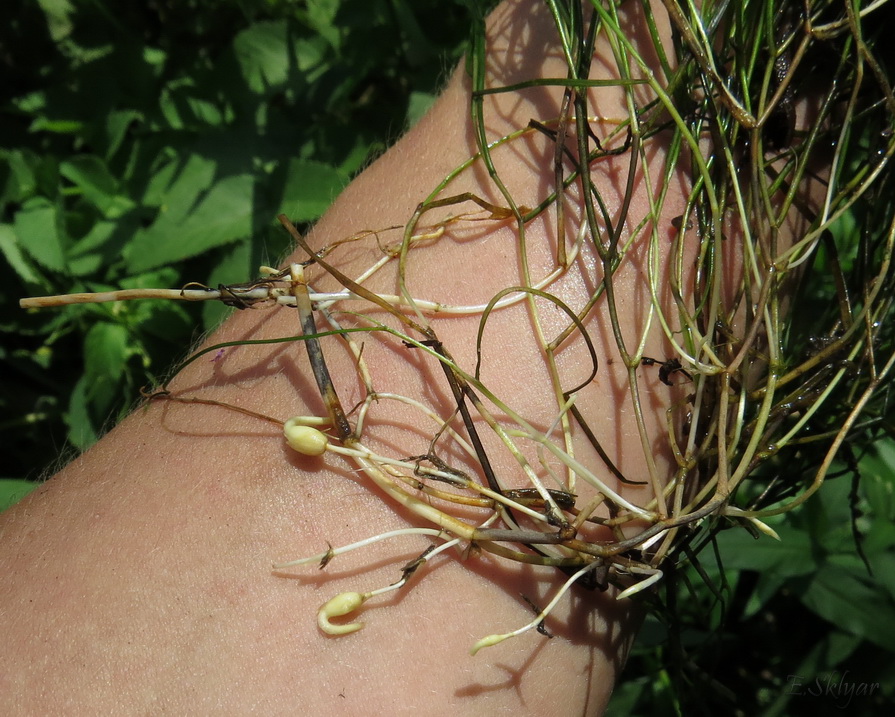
(140, 576)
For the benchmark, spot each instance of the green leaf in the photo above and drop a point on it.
(177, 184)
(309, 54)
(105, 356)
(878, 480)
(262, 52)
(21, 183)
(59, 17)
(842, 595)
(12, 491)
(883, 565)
(117, 124)
(233, 268)
(38, 234)
(789, 556)
(45, 124)
(81, 432)
(419, 104)
(418, 47)
(165, 320)
(183, 107)
(90, 174)
(14, 257)
(321, 14)
(100, 247)
(164, 277)
(310, 189)
(626, 696)
(223, 215)
(31, 102)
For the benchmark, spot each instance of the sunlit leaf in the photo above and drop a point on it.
(105, 353)
(38, 233)
(91, 175)
(310, 188)
(223, 215)
(14, 257)
(81, 431)
(12, 491)
(262, 52)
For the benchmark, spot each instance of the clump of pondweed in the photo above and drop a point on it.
(768, 291)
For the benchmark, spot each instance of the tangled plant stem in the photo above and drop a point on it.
(746, 386)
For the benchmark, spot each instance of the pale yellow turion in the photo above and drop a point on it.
(304, 438)
(341, 604)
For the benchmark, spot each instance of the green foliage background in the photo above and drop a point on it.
(151, 144)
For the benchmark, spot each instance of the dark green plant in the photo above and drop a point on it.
(154, 144)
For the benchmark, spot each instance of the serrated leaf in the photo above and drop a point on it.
(38, 235)
(100, 247)
(105, 353)
(223, 215)
(177, 184)
(21, 183)
(105, 357)
(90, 174)
(14, 257)
(45, 124)
(164, 320)
(262, 52)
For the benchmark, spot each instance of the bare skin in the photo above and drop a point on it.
(140, 579)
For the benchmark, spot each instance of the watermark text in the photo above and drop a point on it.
(835, 686)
